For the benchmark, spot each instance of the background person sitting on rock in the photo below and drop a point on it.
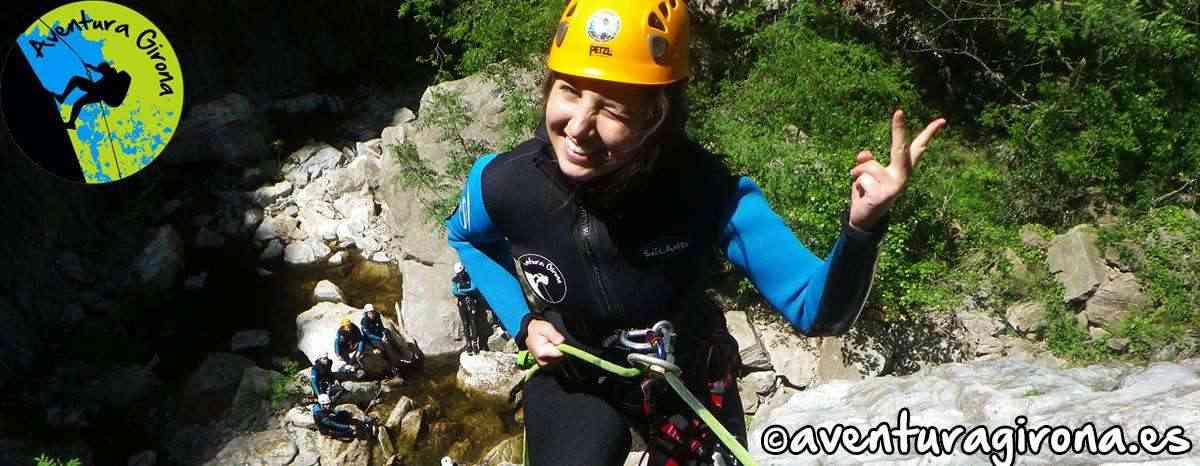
(322, 377)
(377, 338)
(330, 422)
(349, 342)
(470, 310)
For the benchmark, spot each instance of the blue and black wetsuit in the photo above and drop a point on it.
(599, 267)
(372, 330)
(333, 422)
(322, 380)
(348, 341)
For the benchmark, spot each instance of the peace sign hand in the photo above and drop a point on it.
(875, 186)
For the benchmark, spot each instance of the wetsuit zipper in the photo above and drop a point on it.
(583, 235)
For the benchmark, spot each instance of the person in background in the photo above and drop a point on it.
(470, 310)
(349, 343)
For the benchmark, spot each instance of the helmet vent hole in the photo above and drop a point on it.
(658, 48)
(656, 23)
(570, 11)
(560, 35)
(674, 4)
(663, 8)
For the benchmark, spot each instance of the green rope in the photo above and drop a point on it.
(525, 360)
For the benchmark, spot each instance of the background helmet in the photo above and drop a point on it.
(458, 267)
(369, 308)
(345, 322)
(323, 400)
(626, 41)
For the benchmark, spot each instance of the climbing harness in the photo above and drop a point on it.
(103, 105)
(653, 359)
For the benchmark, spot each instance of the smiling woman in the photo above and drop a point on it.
(613, 196)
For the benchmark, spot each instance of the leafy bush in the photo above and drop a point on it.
(280, 395)
(44, 460)
(472, 35)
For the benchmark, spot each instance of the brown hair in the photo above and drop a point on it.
(665, 136)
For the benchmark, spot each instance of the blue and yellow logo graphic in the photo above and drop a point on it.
(110, 77)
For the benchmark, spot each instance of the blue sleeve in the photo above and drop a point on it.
(312, 378)
(337, 346)
(819, 297)
(362, 340)
(485, 252)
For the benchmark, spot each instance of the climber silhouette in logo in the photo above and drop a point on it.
(111, 89)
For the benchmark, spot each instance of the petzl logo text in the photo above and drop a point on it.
(92, 92)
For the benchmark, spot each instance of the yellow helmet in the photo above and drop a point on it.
(344, 322)
(625, 41)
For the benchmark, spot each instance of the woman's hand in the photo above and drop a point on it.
(875, 186)
(542, 339)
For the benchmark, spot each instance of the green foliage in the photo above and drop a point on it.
(1160, 248)
(436, 190)
(280, 395)
(43, 460)
(472, 35)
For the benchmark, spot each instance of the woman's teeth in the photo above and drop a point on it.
(578, 149)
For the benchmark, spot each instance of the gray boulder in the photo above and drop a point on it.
(210, 389)
(754, 357)
(267, 195)
(980, 333)
(1119, 294)
(249, 340)
(161, 261)
(793, 356)
(223, 130)
(428, 309)
(274, 250)
(327, 292)
(1027, 317)
(1076, 262)
(306, 252)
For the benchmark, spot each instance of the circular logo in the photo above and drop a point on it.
(603, 26)
(92, 92)
(543, 277)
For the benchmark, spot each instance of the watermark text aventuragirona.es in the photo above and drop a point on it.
(1002, 444)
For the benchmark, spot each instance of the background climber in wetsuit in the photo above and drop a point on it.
(471, 311)
(376, 336)
(619, 218)
(323, 379)
(339, 424)
(349, 343)
(111, 89)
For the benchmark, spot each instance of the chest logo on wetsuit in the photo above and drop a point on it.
(544, 278)
(663, 248)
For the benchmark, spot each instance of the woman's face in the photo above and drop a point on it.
(594, 126)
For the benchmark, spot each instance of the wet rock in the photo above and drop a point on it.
(508, 450)
(1076, 262)
(410, 430)
(210, 389)
(1027, 317)
(249, 340)
(487, 373)
(267, 195)
(754, 357)
(305, 253)
(161, 261)
(195, 282)
(317, 327)
(428, 309)
(327, 292)
(274, 250)
(1119, 294)
(403, 406)
(145, 458)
